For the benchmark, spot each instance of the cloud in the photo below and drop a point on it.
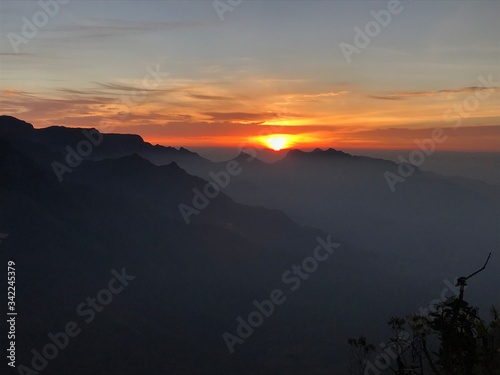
(465, 138)
(416, 94)
(12, 54)
(409, 133)
(240, 116)
(207, 97)
(312, 97)
(131, 88)
(104, 28)
(385, 97)
(77, 92)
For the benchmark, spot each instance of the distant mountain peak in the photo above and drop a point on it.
(133, 158)
(174, 165)
(330, 152)
(243, 154)
(318, 153)
(243, 157)
(186, 151)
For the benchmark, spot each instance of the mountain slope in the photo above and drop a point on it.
(192, 281)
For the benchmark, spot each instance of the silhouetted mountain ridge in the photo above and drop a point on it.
(317, 153)
(13, 128)
(58, 138)
(119, 208)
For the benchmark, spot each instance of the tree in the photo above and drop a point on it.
(361, 351)
(451, 340)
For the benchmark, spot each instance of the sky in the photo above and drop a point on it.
(302, 74)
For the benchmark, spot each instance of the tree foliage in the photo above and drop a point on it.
(450, 340)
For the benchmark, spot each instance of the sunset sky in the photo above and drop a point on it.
(272, 66)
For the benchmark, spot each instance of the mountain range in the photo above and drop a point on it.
(77, 204)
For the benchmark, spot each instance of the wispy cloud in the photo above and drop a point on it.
(417, 94)
(313, 97)
(240, 116)
(103, 28)
(381, 97)
(12, 54)
(465, 138)
(207, 97)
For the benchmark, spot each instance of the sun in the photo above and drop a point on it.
(277, 142)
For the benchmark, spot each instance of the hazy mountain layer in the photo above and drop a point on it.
(116, 210)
